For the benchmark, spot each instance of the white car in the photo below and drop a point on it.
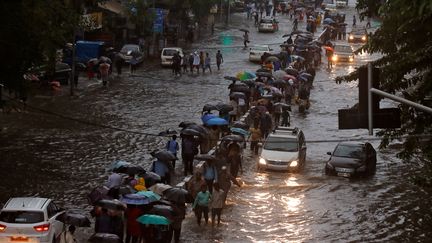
(168, 53)
(255, 52)
(283, 150)
(30, 219)
(268, 24)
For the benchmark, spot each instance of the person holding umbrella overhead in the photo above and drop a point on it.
(162, 169)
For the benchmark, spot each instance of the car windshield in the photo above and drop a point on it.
(358, 31)
(21, 217)
(343, 49)
(259, 48)
(267, 21)
(349, 151)
(281, 144)
(169, 52)
(127, 48)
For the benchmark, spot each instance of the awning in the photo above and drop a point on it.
(113, 6)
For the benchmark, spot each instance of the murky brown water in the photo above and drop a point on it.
(45, 155)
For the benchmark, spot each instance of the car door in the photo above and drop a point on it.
(53, 212)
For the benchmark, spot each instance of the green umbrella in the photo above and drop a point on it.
(151, 195)
(153, 219)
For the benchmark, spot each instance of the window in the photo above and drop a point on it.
(281, 144)
(350, 151)
(22, 217)
(52, 210)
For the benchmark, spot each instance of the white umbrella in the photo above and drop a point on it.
(159, 188)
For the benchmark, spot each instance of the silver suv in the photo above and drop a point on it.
(30, 219)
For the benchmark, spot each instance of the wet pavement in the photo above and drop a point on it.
(64, 155)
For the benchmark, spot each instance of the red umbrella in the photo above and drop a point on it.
(328, 48)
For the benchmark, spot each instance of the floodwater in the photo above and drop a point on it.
(63, 158)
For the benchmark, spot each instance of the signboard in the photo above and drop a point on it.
(158, 22)
(92, 21)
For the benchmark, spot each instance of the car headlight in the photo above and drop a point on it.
(364, 38)
(262, 161)
(351, 37)
(294, 163)
(351, 58)
(334, 58)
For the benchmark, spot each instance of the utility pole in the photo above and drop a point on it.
(228, 12)
(72, 78)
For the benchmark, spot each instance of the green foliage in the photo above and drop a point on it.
(405, 41)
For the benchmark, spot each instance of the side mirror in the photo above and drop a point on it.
(271, 49)
(328, 153)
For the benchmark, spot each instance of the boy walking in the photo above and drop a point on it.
(219, 59)
(207, 61)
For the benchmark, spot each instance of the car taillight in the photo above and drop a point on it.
(42, 228)
(2, 228)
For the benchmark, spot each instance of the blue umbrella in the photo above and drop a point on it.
(150, 195)
(239, 131)
(217, 121)
(207, 117)
(135, 199)
(328, 21)
(117, 164)
(153, 219)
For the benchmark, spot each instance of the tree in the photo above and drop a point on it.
(404, 40)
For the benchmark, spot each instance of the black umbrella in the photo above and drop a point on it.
(222, 107)
(308, 76)
(168, 132)
(97, 194)
(264, 70)
(248, 82)
(130, 169)
(206, 157)
(184, 124)
(231, 78)
(233, 138)
(272, 59)
(190, 132)
(209, 107)
(291, 71)
(151, 178)
(237, 95)
(279, 83)
(178, 195)
(283, 105)
(241, 125)
(264, 74)
(111, 204)
(75, 219)
(164, 210)
(244, 30)
(163, 155)
(241, 88)
(204, 132)
(105, 238)
(286, 35)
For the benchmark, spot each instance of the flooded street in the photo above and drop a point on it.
(62, 158)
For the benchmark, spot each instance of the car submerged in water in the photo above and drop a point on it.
(351, 159)
(343, 53)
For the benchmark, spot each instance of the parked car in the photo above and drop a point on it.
(30, 219)
(255, 52)
(351, 158)
(132, 50)
(357, 35)
(268, 24)
(343, 53)
(284, 149)
(168, 53)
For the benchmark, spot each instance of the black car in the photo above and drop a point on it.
(352, 158)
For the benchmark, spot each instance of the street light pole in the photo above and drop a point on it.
(228, 12)
(72, 78)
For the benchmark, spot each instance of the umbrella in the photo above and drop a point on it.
(328, 21)
(150, 195)
(272, 59)
(111, 204)
(279, 74)
(75, 219)
(105, 59)
(233, 138)
(97, 194)
(264, 74)
(135, 199)
(164, 210)
(163, 155)
(245, 75)
(237, 95)
(303, 78)
(244, 30)
(151, 178)
(93, 60)
(307, 75)
(298, 57)
(104, 238)
(241, 125)
(222, 107)
(328, 48)
(185, 124)
(231, 78)
(288, 77)
(262, 109)
(286, 35)
(178, 195)
(130, 169)
(249, 82)
(217, 121)
(239, 131)
(291, 71)
(279, 83)
(159, 188)
(296, 32)
(241, 88)
(117, 164)
(281, 104)
(259, 83)
(153, 219)
(207, 117)
(274, 90)
(203, 131)
(190, 132)
(125, 189)
(265, 70)
(205, 157)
